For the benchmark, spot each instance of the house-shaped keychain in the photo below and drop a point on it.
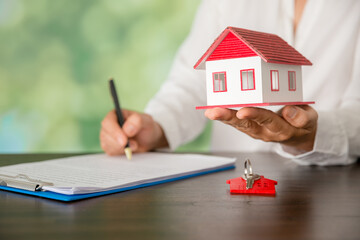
(262, 186)
(259, 185)
(249, 68)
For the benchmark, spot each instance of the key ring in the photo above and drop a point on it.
(248, 168)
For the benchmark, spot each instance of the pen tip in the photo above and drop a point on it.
(128, 153)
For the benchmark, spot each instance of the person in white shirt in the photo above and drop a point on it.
(328, 133)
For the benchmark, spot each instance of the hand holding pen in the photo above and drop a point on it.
(139, 132)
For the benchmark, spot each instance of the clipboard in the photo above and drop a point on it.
(25, 185)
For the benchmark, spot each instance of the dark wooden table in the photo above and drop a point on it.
(311, 203)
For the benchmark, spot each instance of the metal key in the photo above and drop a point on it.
(250, 180)
(249, 176)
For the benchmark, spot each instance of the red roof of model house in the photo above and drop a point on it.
(238, 42)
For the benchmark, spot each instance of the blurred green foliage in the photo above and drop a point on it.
(56, 57)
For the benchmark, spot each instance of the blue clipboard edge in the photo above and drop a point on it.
(69, 198)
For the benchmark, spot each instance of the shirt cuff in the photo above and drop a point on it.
(330, 147)
(165, 120)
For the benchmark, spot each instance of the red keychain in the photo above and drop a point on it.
(251, 183)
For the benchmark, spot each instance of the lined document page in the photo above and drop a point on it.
(99, 172)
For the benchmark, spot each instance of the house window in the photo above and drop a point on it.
(219, 79)
(247, 79)
(274, 76)
(292, 81)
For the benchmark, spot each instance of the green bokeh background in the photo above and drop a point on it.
(56, 57)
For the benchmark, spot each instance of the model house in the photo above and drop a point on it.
(261, 186)
(249, 68)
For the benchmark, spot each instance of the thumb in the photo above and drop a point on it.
(300, 116)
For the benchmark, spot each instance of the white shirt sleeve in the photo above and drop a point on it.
(337, 140)
(173, 107)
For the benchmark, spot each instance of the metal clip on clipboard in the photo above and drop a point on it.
(22, 181)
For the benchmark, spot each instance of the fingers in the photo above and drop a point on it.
(225, 115)
(133, 124)
(112, 147)
(300, 116)
(113, 138)
(229, 117)
(111, 126)
(222, 114)
(109, 144)
(256, 122)
(265, 118)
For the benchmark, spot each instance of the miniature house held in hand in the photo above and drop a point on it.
(249, 68)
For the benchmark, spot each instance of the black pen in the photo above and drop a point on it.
(119, 115)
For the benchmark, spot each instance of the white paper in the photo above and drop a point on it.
(99, 172)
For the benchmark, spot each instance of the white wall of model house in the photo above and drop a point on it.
(233, 95)
(284, 94)
(262, 92)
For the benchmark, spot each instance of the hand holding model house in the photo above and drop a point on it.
(248, 69)
(294, 126)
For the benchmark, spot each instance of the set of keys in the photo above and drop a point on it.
(249, 176)
(252, 183)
